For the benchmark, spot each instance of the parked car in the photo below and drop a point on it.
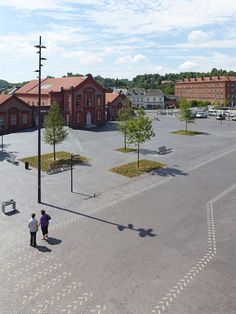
(234, 118)
(220, 116)
(201, 114)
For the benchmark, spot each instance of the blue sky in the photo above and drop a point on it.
(118, 39)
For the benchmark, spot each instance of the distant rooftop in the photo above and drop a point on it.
(207, 79)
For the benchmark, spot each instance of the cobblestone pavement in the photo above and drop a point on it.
(160, 244)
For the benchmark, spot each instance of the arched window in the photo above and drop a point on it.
(2, 122)
(25, 118)
(78, 101)
(99, 115)
(13, 119)
(67, 102)
(78, 117)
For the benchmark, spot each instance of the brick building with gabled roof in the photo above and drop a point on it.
(15, 114)
(113, 104)
(81, 99)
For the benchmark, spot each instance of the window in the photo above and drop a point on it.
(25, 118)
(78, 117)
(78, 101)
(99, 100)
(13, 119)
(99, 116)
(2, 122)
(89, 100)
(67, 102)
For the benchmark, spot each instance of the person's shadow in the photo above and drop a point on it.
(53, 241)
(43, 248)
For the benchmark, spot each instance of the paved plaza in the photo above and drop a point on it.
(160, 243)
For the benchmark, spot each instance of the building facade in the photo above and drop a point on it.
(114, 102)
(81, 99)
(171, 101)
(146, 99)
(221, 89)
(15, 114)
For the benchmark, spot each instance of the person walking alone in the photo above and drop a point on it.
(33, 227)
(44, 222)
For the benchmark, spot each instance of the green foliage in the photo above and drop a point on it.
(123, 116)
(47, 160)
(168, 89)
(130, 170)
(139, 130)
(184, 132)
(185, 112)
(54, 132)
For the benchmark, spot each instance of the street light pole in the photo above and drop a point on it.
(71, 171)
(40, 46)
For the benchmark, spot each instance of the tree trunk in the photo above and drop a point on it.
(125, 140)
(54, 152)
(186, 126)
(138, 155)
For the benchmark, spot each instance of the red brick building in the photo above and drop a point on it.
(113, 104)
(221, 89)
(81, 99)
(15, 114)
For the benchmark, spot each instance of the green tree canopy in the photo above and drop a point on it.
(123, 116)
(54, 132)
(185, 112)
(139, 130)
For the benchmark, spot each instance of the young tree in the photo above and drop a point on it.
(139, 130)
(123, 116)
(54, 132)
(185, 112)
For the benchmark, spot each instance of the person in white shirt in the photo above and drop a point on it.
(33, 227)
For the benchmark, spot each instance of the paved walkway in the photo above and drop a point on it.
(114, 253)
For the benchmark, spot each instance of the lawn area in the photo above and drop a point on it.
(131, 170)
(184, 132)
(47, 160)
(127, 150)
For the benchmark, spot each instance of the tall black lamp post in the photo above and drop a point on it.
(71, 171)
(39, 47)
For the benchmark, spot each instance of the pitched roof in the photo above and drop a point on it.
(110, 97)
(51, 84)
(154, 92)
(4, 98)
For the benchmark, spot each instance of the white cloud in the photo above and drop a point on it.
(188, 65)
(130, 59)
(84, 57)
(198, 36)
(163, 15)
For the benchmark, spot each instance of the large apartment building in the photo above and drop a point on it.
(221, 89)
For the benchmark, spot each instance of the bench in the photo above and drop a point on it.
(58, 169)
(162, 150)
(12, 159)
(9, 202)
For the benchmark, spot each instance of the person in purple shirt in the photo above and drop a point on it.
(44, 222)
